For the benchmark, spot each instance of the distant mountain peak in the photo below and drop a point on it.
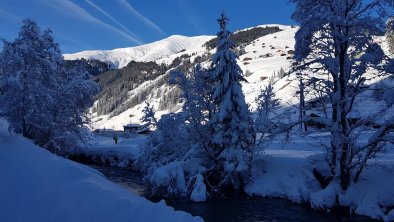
(119, 58)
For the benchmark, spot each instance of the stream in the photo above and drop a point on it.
(235, 209)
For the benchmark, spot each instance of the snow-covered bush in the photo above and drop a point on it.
(167, 143)
(181, 179)
(172, 157)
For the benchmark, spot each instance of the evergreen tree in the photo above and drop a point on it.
(232, 133)
(149, 115)
(267, 120)
(281, 73)
(267, 102)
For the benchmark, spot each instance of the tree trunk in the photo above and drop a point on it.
(344, 125)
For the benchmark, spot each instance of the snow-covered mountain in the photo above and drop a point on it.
(119, 58)
(263, 59)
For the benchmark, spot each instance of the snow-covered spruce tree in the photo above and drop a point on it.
(390, 34)
(233, 136)
(335, 47)
(267, 102)
(149, 115)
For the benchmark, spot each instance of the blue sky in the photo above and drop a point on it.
(107, 24)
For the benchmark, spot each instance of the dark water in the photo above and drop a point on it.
(234, 209)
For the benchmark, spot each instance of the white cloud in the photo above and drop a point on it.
(71, 9)
(148, 22)
(110, 17)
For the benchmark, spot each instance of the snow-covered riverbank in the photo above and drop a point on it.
(288, 174)
(285, 171)
(37, 185)
(104, 151)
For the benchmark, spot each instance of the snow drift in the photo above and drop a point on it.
(39, 186)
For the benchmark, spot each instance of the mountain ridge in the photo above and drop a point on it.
(120, 57)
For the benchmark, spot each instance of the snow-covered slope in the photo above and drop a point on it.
(145, 53)
(264, 57)
(255, 62)
(37, 185)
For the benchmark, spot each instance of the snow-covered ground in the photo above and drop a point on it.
(41, 186)
(132, 115)
(285, 171)
(125, 146)
(36, 185)
(104, 150)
